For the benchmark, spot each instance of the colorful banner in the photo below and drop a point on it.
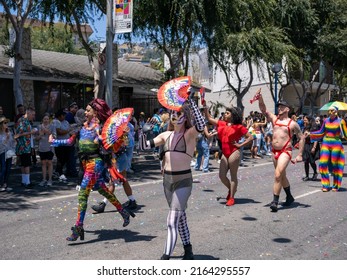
(123, 16)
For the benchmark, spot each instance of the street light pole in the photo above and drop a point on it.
(276, 68)
(109, 45)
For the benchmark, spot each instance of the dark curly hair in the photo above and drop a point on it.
(101, 108)
(236, 114)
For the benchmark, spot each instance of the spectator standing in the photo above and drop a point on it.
(46, 150)
(7, 146)
(311, 149)
(71, 170)
(23, 135)
(203, 148)
(156, 128)
(21, 112)
(62, 129)
(268, 132)
(71, 113)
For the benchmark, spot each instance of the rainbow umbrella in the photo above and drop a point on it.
(114, 127)
(172, 94)
(342, 106)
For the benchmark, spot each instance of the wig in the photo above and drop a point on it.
(101, 108)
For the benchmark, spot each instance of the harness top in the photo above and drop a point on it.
(285, 149)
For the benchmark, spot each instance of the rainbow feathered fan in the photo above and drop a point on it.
(172, 94)
(114, 128)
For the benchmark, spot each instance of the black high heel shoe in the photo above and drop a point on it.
(126, 216)
(77, 231)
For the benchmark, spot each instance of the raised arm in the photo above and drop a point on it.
(262, 106)
(209, 117)
(145, 144)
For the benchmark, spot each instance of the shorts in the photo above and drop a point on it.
(25, 160)
(46, 155)
(122, 162)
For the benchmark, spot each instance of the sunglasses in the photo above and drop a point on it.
(331, 111)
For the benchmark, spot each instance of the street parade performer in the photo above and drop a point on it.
(283, 130)
(332, 157)
(91, 155)
(179, 143)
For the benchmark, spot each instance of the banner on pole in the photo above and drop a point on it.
(123, 16)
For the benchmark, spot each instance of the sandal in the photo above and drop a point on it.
(325, 189)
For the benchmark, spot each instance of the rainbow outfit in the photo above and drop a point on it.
(332, 158)
(93, 166)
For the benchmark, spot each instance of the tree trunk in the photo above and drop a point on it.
(18, 60)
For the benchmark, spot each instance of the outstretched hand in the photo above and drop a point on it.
(148, 126)
(256, 96)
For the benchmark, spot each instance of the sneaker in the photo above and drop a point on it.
(62, 178)
(78, 188)
(314, 177)
(218, 161)
(49, 183)
(99, 208)
(273, 206)
(230, 202)
(289, 201)
(3, 189)
(43, 183)
(192, 163)
(130, 204)
(305, 178)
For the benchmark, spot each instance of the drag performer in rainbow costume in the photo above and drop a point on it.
(90, 152)
(332, 158)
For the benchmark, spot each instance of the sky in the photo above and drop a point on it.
(99, 28)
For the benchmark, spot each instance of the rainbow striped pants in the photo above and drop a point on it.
(332, 160)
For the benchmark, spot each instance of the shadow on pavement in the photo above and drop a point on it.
(109, 235)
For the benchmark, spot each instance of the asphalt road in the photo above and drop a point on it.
(34, 223)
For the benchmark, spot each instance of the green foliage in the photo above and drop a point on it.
(58, 39)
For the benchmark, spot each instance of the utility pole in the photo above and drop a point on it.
(109, 45)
